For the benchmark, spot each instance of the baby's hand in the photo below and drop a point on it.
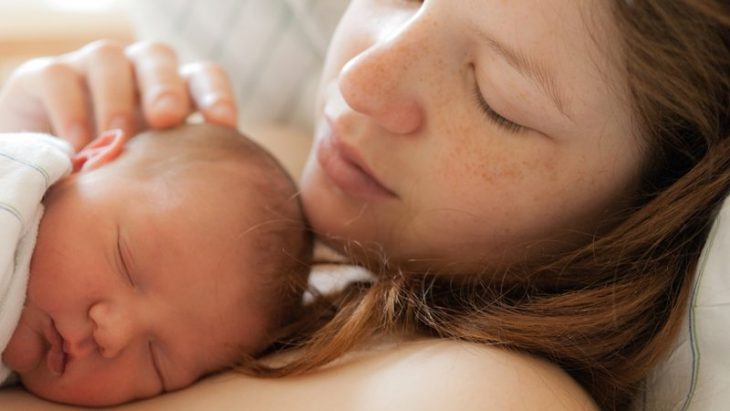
(108, 85)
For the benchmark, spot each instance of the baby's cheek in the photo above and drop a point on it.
(93, 383)
(25, 350)
(88, 380)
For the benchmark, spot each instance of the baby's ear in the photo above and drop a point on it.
(99, 152)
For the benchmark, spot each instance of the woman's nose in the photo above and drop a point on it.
(114, 327)
(386, 81)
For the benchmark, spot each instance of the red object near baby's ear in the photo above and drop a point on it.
(99, 152)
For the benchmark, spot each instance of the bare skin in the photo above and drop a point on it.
(363, 380)
(456, 376)
(424, 120)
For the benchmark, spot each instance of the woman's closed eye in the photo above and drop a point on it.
(490, 113)
(495, 117)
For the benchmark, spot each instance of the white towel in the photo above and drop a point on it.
(29, 164)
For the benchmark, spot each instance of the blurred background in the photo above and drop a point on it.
(30, 28)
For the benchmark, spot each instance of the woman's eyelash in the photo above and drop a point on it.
(494, 116)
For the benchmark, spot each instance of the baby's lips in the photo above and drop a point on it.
(56, 357)
(56, 360)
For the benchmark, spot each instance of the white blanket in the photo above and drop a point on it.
(696, 374)
(29, 164)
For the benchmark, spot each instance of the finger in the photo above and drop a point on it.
(66, 103)
(165, 101)
(211, 92)
(111, 84)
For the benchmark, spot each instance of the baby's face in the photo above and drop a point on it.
(133, 290)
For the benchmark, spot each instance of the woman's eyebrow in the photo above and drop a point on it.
(531, 69)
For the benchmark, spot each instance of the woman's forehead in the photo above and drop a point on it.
(568, 40)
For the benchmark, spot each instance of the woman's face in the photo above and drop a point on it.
(458, 136)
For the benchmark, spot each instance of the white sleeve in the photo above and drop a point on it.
(29, 164)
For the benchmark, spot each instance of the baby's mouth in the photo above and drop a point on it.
(56, 357)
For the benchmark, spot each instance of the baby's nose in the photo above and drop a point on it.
(115, 327)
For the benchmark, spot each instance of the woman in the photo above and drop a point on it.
(537, 176)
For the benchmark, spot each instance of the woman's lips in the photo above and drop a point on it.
(55, 357)
(344, 166)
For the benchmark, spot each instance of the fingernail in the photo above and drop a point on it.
(168, 104)
(222, 111)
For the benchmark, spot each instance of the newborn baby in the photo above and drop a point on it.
(157, 261)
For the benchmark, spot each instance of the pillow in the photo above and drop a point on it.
(272, 49)
(696, 374)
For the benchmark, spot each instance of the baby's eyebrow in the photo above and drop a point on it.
(530, 68)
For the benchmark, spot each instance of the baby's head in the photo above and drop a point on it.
(157, 262)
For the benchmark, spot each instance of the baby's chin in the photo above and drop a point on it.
(55, 389)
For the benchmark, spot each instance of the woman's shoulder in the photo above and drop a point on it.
(442, 374)
(418, 375)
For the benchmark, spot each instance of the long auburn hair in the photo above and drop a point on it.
(605, 312)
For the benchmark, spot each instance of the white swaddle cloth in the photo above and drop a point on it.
(29, 164)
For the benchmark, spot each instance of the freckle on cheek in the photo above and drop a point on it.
(498, 171)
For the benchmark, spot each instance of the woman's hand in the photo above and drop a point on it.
(108, 85)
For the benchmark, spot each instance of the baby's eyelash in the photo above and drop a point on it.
(123, 260)
(494, 116)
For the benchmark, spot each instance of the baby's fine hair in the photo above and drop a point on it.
(268, 196)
